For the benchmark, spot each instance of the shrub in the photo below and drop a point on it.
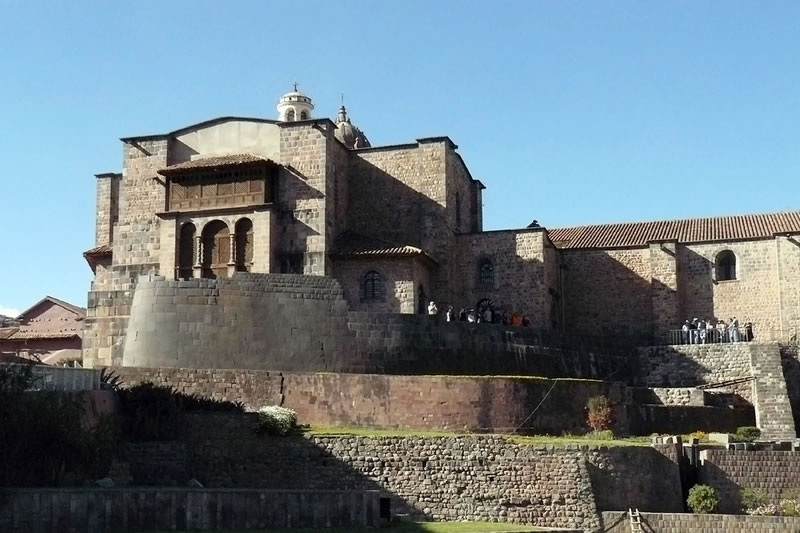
(752, 499)
(599, 413)
(747, 433)
(275, 420)
(702, 499)
(606, 434)
(701, 436)
(790, 507)
(766, 509)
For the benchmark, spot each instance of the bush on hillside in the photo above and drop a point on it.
(747, 434)
(702, 499)
(275, 420)
(598, 413)
(752, 499)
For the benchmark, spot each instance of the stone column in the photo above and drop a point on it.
(232, 256)
(198, 265)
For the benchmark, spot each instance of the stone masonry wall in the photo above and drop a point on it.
(499, 404)
(96, 510)
(301, 323)
(399, 284)
(519, 284)
(617, 522)
(695, 364)
(764, 292)
(440, 478)
(639, 477)
(729, 471)
(790, 359)
(607, 292)
(669, 396)
(302, 188)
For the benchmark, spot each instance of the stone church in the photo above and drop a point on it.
(401, 225)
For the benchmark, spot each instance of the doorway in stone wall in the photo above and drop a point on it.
(216, 250)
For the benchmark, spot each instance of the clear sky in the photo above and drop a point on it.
(570, 112)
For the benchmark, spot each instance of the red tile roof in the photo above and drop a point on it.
(103, 249)
(691, 230)
(214, 162)
(354, 245)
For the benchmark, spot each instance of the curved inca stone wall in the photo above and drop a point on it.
(302, 323)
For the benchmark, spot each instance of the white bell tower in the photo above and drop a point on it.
(294, 106)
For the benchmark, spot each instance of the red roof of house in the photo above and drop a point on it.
(214, 162)
(691, 230)
(361, 246)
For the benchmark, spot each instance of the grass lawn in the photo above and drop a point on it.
(517, 439)
(416, 527)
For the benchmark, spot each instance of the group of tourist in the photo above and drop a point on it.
(486, 315)
(702, 331)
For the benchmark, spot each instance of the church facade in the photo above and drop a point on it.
(399, 226)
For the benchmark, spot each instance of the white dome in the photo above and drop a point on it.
(294, 105)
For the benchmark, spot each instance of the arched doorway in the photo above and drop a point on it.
(244, 244)
(216, 249)
(187, 251)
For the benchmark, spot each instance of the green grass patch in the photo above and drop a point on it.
(407, 527)
(588, 439)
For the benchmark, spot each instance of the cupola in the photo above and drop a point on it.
(294, 106)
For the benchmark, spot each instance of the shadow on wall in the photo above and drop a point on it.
(416, 479)
(696, 286)
(604, 296)
(379, 204)
(790, 359)
(296, 225)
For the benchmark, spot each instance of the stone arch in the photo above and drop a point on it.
(290, 114)
(725, 266)
(187, 251)
(304, 115)
(244, 244)
(216, 249)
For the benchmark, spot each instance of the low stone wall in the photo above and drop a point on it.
(680, 420)
(146, 510)
(729, 471)
(636, 476)
(438, 478)
(669, 396)
(693, 364)
(617, 522)
(502, 404)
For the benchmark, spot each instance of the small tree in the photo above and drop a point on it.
(598, 413)
(702, 499)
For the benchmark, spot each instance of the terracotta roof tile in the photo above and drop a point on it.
(214, 162)
(103, 249)
(354, 245)
(685, 231)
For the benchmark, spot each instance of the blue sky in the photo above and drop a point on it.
(570, 112)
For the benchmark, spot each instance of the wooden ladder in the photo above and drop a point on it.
(636, 520)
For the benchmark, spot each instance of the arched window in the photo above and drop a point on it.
(187, 250)
(216, 249)
(303, 115)
(290, 115)
(486, 272)
(373, 286)
(244, 244)
(726, 265)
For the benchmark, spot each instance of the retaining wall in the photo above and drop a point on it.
(302, 324)
(617, 522)
(98, 510)
(416, 402)
(729, 471)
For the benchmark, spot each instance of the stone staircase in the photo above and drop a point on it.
(770, 396)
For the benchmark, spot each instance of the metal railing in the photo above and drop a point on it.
(729, 335)
(63, 379)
